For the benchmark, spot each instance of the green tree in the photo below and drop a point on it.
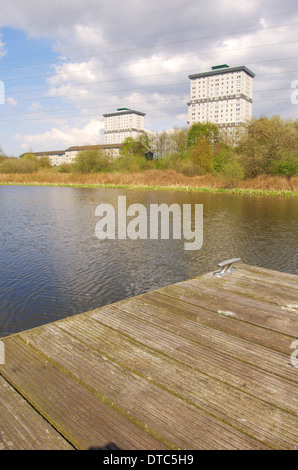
(177, 140)
(160, 144)
(207, 130)
(168, 143)
(222, 156)
(201, 154)
(267, 143)
(135, 146)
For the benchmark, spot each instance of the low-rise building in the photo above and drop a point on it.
(55, 156)
(68, 156)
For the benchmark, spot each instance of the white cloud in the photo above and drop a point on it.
(2, 47)
(35, 107)
(75, 72)
(63, 137)
(139, 54)
(11, 101)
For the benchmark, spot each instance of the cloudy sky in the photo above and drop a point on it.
(63, 64)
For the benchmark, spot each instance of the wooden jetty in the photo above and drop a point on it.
(202, 364)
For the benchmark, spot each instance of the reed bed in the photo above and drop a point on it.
(156, 179)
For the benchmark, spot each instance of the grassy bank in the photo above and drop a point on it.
(157, 179)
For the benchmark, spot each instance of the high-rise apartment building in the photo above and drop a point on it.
(222, 96)
(122, 124)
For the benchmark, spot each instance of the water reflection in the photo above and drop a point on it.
(52, 265)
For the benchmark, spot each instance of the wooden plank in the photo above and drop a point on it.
(181, 424)
(286, 297)
(268, 276)
(271, 426)
(203, 364)
(274, 298)
(82, 417)
(219, 320)
(22, 427)
(215, 364)
(217, 341)
(213, 341)
(250, 310)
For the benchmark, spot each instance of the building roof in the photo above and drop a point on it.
(77, 148)
(83, 147)
(121, 111)
(93, 147)
(221, 70)
(44, 153)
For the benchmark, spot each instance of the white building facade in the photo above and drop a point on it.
(69, 155)
(122, 124)
(222, 96)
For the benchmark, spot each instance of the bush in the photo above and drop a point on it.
(188, 168)
(91, 161)
(64, 168)
(9, 165)
(170, 162)
(232, 172)
(44, 162)
(29, 157)
(227, 166)
(269, 147)
(14, 165)
(286, 166)
(132, 163)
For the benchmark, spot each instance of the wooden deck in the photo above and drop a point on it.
(202, 364)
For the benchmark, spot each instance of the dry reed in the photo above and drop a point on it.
(167, 179)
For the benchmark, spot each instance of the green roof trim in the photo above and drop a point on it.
(215, 67)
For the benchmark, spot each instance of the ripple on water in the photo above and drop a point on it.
(53, 266)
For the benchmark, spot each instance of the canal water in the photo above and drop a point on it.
(52, 264)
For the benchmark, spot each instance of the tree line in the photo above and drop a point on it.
(265, 146)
